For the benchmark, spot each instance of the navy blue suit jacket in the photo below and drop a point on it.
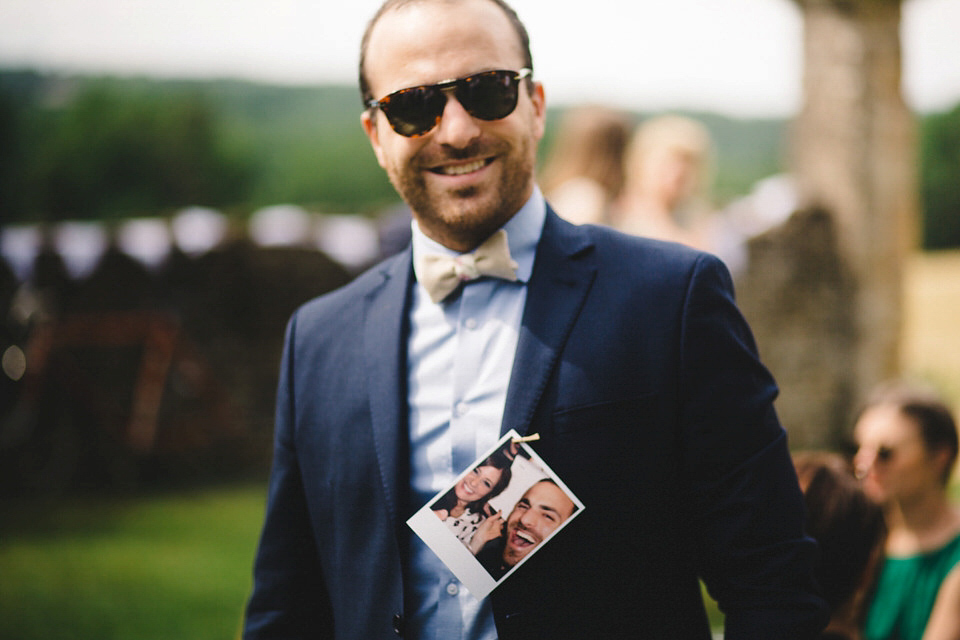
(643, 381)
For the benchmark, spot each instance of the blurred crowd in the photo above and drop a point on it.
(149, 347)
(349, 239)
(655, 179)
(888, 531)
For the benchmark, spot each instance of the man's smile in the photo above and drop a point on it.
(521, 539)
(461, 169)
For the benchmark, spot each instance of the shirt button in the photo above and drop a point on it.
(453, 589)
(460, 409)
(398, 624)
(470, 323)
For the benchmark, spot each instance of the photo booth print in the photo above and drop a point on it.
(548, 505)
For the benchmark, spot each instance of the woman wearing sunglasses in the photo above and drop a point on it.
(907, 441)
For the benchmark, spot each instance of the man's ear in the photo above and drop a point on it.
(539, 101)
(369, 121)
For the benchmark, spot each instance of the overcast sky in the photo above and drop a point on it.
(739, 57)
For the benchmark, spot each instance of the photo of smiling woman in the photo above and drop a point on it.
(464, 506)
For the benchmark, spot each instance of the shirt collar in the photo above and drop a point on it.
(523, 234)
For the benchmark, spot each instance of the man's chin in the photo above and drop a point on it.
(467, 220)
(518, 547)
(510, 560)
(468, 207)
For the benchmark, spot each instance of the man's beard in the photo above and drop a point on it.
(469, 212)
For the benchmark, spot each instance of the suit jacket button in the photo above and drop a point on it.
(398, 624)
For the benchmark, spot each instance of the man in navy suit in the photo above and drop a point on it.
(626, 356)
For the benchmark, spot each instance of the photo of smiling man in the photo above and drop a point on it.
(542, 509)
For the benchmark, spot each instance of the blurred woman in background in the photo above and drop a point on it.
(583, 174)
(668, 171)
(907, 441)
(848, 525)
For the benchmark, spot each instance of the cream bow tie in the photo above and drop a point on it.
(441, 274)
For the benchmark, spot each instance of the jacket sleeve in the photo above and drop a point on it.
(745, 505)
(289, 597)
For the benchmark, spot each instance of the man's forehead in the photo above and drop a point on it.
(433, 40)
(547, 495)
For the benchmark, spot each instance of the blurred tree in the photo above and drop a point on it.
(853, 155)
(11, 152)
(112, 153)
(940, 178)
(309, 146)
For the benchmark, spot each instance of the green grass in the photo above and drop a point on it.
(151, 568)
(175, 566)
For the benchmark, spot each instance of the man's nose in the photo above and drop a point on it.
(457, 127)
(527, 519)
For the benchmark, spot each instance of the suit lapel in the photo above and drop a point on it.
(385, 347)
(562, 276)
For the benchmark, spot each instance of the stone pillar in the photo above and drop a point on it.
(852, 155)
(797, 292)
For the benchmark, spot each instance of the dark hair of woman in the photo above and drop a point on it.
(850, 529)
(498, 461)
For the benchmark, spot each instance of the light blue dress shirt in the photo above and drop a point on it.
(459, 358)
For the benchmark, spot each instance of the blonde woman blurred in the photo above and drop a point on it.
(667, 177)
(584, 172)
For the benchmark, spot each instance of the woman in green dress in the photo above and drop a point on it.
(907, 441)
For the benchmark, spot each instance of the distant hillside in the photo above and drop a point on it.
(302, 145)
(88, 147)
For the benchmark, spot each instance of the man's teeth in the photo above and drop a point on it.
(461, 169)
(524, 536)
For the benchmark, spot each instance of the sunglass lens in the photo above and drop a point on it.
(415, 111)
(489, 96)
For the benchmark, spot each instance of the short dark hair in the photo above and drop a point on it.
(554, 483)
(927, 410)
(390, 5)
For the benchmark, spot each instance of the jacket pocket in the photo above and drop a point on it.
(606, 415)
